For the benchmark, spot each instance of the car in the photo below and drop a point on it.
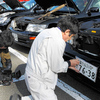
(84, 46)
(22, 27)
(18, 9)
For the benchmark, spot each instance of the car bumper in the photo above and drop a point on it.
(71, 54)
(23, 38)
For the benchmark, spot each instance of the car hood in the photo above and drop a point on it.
(44, 3)
(48, 3)
(13, 3)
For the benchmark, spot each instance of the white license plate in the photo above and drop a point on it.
(87, 69)
(15, 36)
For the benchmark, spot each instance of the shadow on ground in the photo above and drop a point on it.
(21, 86)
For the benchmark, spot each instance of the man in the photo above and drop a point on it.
(45, 59)
(6, 40)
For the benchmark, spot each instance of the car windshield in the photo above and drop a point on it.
(27, 5)
(64, 9)
(6, 6)
(81, 4)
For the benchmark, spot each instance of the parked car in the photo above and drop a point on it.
(84, 46)
(25, 29)
(18, 9)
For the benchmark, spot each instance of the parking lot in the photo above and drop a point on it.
(25, 20)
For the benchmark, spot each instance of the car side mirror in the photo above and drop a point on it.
(93, 9)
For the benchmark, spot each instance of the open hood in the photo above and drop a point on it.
(13, 3)
(48, 3)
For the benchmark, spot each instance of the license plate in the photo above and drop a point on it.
(15, 36)
(87, 69)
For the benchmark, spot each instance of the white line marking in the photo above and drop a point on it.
(62, 85)
(71, 91)
(20, 56)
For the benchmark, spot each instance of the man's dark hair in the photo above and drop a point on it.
(68, 23)
(6, 38)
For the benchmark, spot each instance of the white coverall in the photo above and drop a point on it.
(45, 61)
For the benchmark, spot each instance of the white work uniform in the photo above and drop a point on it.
(45, 61)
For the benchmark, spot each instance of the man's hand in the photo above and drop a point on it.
(74, 62)
(73, 68)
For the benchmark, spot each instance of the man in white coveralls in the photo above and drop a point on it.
(45, 59)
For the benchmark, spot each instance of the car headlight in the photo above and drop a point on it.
(4, 19)
(13, 24)
(35, 27)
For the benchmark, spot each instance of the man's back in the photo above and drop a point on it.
(41, 61)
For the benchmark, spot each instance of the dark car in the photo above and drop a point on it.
(18, 9)
(85, 46)
(25, 29)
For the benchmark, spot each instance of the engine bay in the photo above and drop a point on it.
(88, 42)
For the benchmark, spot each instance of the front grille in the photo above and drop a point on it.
(22, 40)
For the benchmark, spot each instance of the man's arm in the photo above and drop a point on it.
(55, 50)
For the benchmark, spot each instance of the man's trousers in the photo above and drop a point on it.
(38, 89)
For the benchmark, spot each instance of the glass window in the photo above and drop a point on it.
(29, 4)
(6, 6)
(64, 9)
(81, 4)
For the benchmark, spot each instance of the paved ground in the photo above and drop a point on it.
(67, 87)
